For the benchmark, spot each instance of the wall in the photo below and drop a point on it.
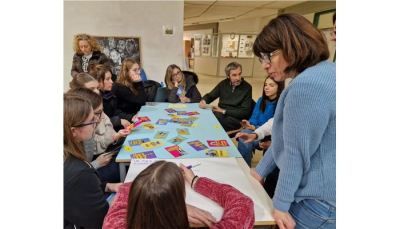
(119, 18)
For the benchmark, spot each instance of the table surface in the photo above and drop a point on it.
(206, 130)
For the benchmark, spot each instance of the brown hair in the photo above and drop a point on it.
(123, 76)
(168, 77)
(301, 43)
(264, 100)
(98, 72)
(95, 99)
(157, 198)
(85, 37)
(79, 80)
(76, 110)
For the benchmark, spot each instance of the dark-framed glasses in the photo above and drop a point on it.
(98, 114)
(94, 122)
(267, 57)
(175, 75)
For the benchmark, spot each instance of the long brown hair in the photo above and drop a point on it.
(95, 99)
(79, 80)
(123, 76)
(264, 101)
(301, 43)
(157, 198)
(76, 110)
(168, 77)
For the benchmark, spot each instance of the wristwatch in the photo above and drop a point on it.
(223, 111)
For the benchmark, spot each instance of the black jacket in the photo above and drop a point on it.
(191, 92)
(128, 104)
(110, 108)
(85, 203)
(97, 58)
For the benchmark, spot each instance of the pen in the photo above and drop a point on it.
(192, 166)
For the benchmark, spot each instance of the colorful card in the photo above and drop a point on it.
(136, 142)
(184, 120)
(144, 119)
(217, 143)
(144, 155)
(189, 124)
(161, 135)
(176, 151)
(151, 104)
(180, 92)
(183, 131)
(192, 113)
(152, 144)
(177, 105)
(162, 122)
(110, 198)
(197, 145)
(174, 120)
(135, 124)
(149, 126)
(170, 110)
(177, 140)
(174, 116)
(181, 113)
(195, 125)
(217, 153)
(193, 118)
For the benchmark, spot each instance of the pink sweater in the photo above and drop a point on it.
(238, 208)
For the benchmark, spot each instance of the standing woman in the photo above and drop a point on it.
(87, 51)
(263, 111)
(174, 78)
(129, 90)
(85, 202)
(304, 131)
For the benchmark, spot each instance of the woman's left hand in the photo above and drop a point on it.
(136, 78)
(113, 187)
(188, 174)
(283, 219)
(264, 145)
(199, 216)
(184, 99)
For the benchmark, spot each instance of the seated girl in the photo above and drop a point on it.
(156, 199)
(263, 111)
(85, 202)
(129, 90)
(174, 78)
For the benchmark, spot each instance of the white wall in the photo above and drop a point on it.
(135, 18)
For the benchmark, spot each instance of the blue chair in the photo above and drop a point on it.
(161, 95)
(143, 75)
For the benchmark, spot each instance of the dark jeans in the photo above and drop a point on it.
(227, 122)
(110, 172)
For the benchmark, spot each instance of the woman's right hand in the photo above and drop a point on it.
(248, 137)
(104, 159)
(136, 78)
(202, 104)
(254, 174)
(199, 216)
(125, 123)
(176, 84)
(188, 174)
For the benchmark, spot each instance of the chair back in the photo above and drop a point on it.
(161, 95)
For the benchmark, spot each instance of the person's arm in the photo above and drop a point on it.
(244, 110)
(76, 65)
(116, 216)
(265, 129)
(103, 136)
(171, 95)
(213, 95)
(84, 202)
(194, 94)
(255, 116)
(125, 94)
(238, 208)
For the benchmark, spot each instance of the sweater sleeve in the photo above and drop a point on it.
(265, 129)
(306, 115)
(116, 216)
(124, 93)
(85, 204)
(75, 62)
(255, 119)
(194, 94)
(103, 135)
(243, 111)
(171, 95)
(238, 208)
(213, 95)
(104, 61)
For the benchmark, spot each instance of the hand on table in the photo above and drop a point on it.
(203, 104)
(265, 145)
(113, 187)
(184, 99)
(199, 216)
(254, 174)
(104, 159)
(125, 123)
(283, 219)
(248, 137)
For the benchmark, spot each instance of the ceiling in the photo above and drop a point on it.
(203, 12)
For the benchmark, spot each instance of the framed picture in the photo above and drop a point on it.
(168, 30)
(119, 48)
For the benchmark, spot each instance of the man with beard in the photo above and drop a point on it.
(235, 101)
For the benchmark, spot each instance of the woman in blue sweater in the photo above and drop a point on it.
(263, 111)
(304, 131)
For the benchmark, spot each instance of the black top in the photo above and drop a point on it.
(110, 109)
(85, 203)
(128, 104)
(191, 92)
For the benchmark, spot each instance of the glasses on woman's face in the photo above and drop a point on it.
(94, 122)
(136, 69)
(98, 114)
(176, 74)
(267, 57)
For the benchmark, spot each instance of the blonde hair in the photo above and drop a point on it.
(76, 110)
(85, 37)
(168, 77)
(123, 76)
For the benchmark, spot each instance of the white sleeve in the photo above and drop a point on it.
(265, 129)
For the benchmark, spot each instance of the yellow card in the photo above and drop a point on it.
(194, 125)
(149, 126)
(216, 127)
(128, 148)
(177, 106)
(152, 144)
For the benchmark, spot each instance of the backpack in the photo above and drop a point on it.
(150, 87)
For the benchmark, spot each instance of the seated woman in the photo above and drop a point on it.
(103, 76)
(156, 199)
(85, 202)
(84, 80)
(87, 51)
(263, 111)
(174, 78)
(129, 90)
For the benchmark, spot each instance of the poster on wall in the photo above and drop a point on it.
(197, 45)
(246, 45)
(168, 30)
(206, 45)
(117, 49)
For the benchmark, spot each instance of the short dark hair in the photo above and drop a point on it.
(232, 66)
(301, 43)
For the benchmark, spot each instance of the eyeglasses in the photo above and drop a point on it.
(267, 57)
(98, 113)
(178, 73)
(94, 122)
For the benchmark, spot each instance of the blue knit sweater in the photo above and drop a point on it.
(304, 139)
(257, 118)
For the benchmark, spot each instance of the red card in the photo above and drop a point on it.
(217, 143)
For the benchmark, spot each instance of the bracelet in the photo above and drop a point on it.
(193, 180)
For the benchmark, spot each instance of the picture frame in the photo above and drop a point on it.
(118, 48)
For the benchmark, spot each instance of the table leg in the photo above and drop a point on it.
(122, 171)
